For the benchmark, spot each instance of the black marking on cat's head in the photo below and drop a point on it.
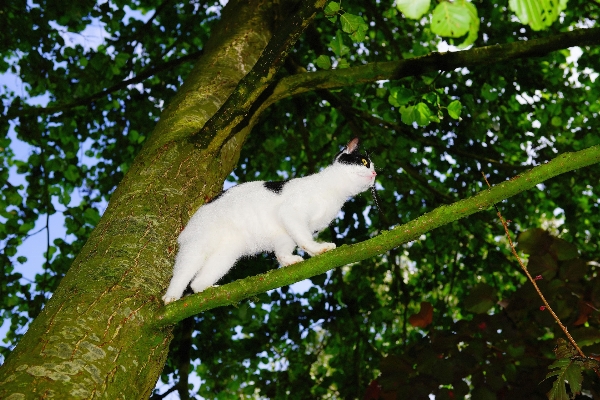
(275, 186)
(350, 155)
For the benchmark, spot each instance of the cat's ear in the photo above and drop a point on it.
(351, 147)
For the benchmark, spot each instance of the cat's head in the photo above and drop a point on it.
(358, 167)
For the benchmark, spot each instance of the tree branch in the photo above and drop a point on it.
(236, 113)
(235, 292)
(165, 394)
(392, 70)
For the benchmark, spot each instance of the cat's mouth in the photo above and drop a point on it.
(372, 175)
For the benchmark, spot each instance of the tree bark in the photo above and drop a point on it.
(94, 339)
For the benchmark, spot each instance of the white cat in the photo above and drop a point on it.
(263, 216)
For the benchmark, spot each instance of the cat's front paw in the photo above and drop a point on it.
(289, 259)
(320, 248)
(169, 299)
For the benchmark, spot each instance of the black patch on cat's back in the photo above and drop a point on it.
(275, 186)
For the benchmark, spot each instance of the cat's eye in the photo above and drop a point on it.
(365, 162)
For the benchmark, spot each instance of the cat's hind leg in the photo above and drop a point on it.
(187, 264)
(215, 267)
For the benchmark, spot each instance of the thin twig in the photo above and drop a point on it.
(531, 279)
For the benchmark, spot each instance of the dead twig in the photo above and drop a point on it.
(532, 280)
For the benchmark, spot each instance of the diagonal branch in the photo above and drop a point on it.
(234, 292)
(392, 70)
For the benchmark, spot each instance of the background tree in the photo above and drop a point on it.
(448, 313)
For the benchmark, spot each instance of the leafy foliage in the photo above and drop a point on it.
(538, 14)
(349, 332)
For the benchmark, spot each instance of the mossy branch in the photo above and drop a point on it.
(234, 292)
(393, 70)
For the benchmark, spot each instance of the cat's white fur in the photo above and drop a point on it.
(249, 219)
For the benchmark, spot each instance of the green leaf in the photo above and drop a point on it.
(400, 96)
(450, 19)
(120, 60)
(489, 92)
(351, 22)
(556, 121)
(342, 63)
(64, 197)
(91, 216)
(51, 251)
(432, 98)
(13, 198)
(133, 135)
(360, 33)
(355, 25)
(587, 336)
(26, 227)
(331, 9)
(454, 109)
(72, 173)
(337, 45)
(323, 62)
(574, 377)
(419, 113)
(10, 251)
(565, 371)
(538, 14)
(428, 79)
(413, 9)
(473, 26)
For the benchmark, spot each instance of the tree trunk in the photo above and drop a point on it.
(94, 338)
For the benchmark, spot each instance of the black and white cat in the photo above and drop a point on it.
(263, 216)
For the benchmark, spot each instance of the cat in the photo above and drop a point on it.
(261, 216)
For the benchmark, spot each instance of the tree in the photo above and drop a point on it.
(431, 121)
